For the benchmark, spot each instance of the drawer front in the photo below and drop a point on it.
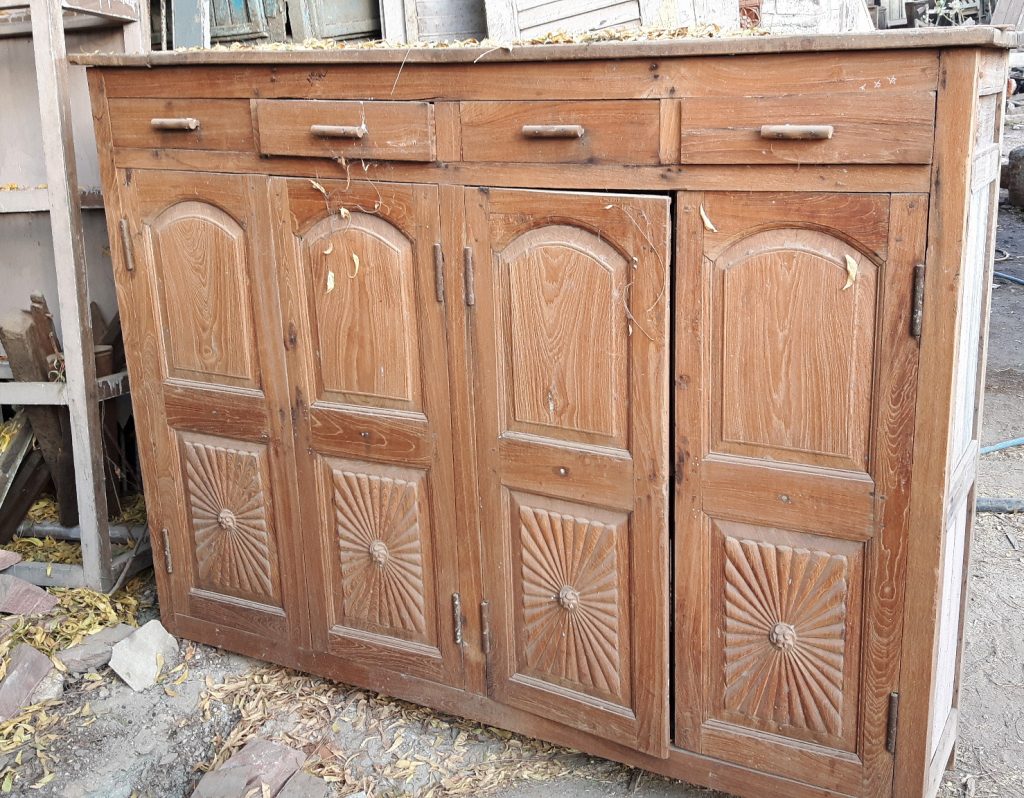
(393, 131)
(182, 124)
(812, 128)
(602, 131)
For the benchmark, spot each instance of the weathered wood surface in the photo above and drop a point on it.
(433, 401)
(977, 36)
(27, 340)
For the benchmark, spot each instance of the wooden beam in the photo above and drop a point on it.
(72, 287)
(32, 394)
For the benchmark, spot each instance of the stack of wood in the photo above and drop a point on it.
(35, 445)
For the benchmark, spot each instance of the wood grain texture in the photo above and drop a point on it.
(847, 44)
(772, 179)
(319, 413)
(222, 124)
(369, 379)
(929, 532)
(744, 517)
(614, 132)
(221, 499)
(510, 231)
(393, 131)
(896, 129)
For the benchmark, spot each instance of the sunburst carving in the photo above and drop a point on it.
(229, 519)
(571, 598)
(378, 528)
(785, 631)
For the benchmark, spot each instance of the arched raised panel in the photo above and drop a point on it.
(361, 290)
(202, 270)
(793, 348)
(564, 335)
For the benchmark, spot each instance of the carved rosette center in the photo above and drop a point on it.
(226, 519)
(783, 636)
(569, 598)
(379, 553)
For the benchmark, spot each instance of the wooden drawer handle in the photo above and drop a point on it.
(553, 131)
(797, 132)
(180, 123)
(338, 131)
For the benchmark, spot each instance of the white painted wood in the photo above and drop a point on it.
(72, 287)
(508, 20)
(948, 622)
(117, 10)
(392, 20)
(815, 16)
(33, 393)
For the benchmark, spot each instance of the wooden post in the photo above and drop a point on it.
(72, 286)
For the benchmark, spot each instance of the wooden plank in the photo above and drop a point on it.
(859, 73)
(929, 533)
(31, 479)
(72, 287)
(975, 36)
(27, 353)
(852, 178)
(14, 452)
(892, 128)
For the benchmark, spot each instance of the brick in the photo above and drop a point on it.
(25, 671)
(259, 762)
(18, 597)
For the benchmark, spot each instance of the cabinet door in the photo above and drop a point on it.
(795, 388)
(570, 333)
(203, 335)
(366, 334)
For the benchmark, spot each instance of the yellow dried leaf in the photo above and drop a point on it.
(44, 781)
(182, 677)
(344, 213)
(330, 281)
(318, 187)
(851, 272)
(708, 224)
(8, 783)
(58, 664)
(170, 692)
(355, 260)
(330, 248)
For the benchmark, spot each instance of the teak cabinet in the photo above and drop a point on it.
(593, 392)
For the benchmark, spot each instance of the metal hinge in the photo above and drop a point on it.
(126, 246)
(917, 308)
(485, 640)
(890, 728)
(168, 563)
(457, 617)
(467, 275)
(439, 272)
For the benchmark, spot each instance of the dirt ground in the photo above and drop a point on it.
(104, 741)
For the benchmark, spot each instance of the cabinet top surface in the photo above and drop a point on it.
(978, 36)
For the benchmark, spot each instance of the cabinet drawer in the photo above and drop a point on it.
(601, 131)
(394, 131)
(879, 128)
(182, 124)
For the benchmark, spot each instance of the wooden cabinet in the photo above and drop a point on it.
(570, 323)
(794, 417)
(201, 313)
(586, 392)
